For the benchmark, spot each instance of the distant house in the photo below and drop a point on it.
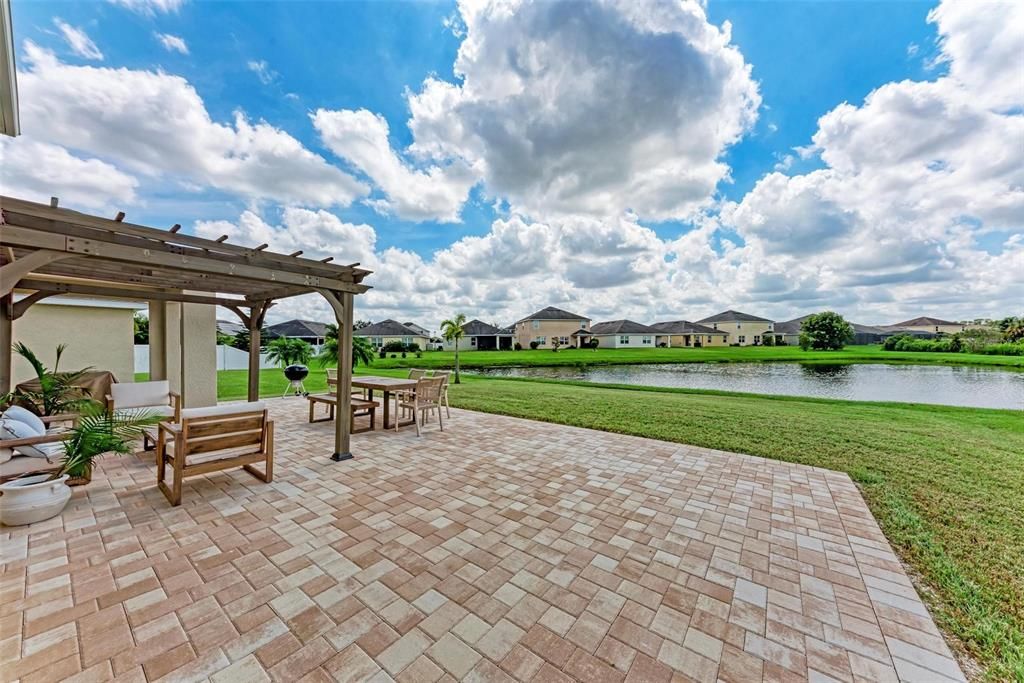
(687, 334)
(548, 324)
(307, 330)
(389, 330)
(230, 328)
(626, 334)
(480, 336)
(933, 325)
(743, 329)
(419, 330)
(788, 332)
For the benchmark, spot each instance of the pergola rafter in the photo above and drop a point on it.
(47, 250)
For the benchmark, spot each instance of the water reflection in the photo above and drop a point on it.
(947, 385)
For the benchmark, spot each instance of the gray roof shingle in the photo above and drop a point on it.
(621, 327)
(552, 313)
(387, 328)
(731, 316)
(297, 328)
(685, 327)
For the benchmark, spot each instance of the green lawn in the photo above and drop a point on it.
(944, 483)
(726, 354)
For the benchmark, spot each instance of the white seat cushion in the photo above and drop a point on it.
(140, 394)
(26, 416)
(13, 429)
(51, 451)
(224, 409)
(160, 410)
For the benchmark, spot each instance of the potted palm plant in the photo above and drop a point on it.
(38, 497)
(56, 392)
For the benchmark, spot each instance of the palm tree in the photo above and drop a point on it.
(362, 352)
(453, 330)
(284, 351)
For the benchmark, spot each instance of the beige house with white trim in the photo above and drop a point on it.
(933, 325)
(387, 331)
(685, 334)
(549, 324)
(743, 329)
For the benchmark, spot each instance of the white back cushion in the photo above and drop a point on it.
(224, 409)
(27, 416)
(15, 429)
(140, 394)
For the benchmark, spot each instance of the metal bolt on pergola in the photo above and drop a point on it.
(48, 250)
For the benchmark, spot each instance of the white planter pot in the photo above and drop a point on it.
(33, 499)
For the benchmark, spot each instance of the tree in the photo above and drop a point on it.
(826, 331)
(285, 351)
(453, 330)
(362, 352)
(241, 339)
(1012, 329)
(141, 329)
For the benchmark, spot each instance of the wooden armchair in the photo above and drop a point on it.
(213, 439)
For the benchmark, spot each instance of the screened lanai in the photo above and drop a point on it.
(49, 250)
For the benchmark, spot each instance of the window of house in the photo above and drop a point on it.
(645, 340)
(743, 339)
(536, 324)
(709, 339)
(714, 325)
(757, 339)
(583, 324)
(541, 340)
(407, 340)
(624, 339)
(376, 341)
(563, 341)
(472, 341)
(739, 326)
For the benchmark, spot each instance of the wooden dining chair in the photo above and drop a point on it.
(424, 400)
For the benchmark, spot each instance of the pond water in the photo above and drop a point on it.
(978, 387)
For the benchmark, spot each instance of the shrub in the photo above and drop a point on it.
(518, 346)
(1004, 349)
(412, 348)
(594, 343)
(768, 340)
(394, 346)
(825, 331)
(534, 345)
(419, 354)
(890, 343)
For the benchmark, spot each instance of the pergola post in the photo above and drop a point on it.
(342, 303)
(253, 321)
(6, 341)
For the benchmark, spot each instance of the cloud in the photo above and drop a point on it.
(361, 137)
(37, 171)
(150, 7)
(156, 125)
(914, 176)
(172, 43)
(573, 108)
(77, 39)
(262, 71)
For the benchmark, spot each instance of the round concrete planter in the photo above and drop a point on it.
(33, 499)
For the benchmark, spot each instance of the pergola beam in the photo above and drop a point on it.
(58, 219)
(206, 263)
(19, 307)
(14, 271)
(61, 287)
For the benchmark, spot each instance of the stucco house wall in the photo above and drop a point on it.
(379, 341)
(936, 329)
(629, 341)
(97, 333)
(743, 333)
(529, 330)
(688, 340)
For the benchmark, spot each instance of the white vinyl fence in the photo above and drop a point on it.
(228, 358)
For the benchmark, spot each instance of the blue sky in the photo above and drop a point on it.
(807, 57)
(280, 62)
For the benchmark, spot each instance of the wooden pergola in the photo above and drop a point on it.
(47, 250)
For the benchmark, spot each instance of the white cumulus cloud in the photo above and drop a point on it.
(156, 124)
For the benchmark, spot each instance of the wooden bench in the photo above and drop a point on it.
(212, 439)
(360, 407)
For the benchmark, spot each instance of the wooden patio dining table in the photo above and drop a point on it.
(386, 385)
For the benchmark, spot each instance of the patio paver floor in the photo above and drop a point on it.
(500, 549)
